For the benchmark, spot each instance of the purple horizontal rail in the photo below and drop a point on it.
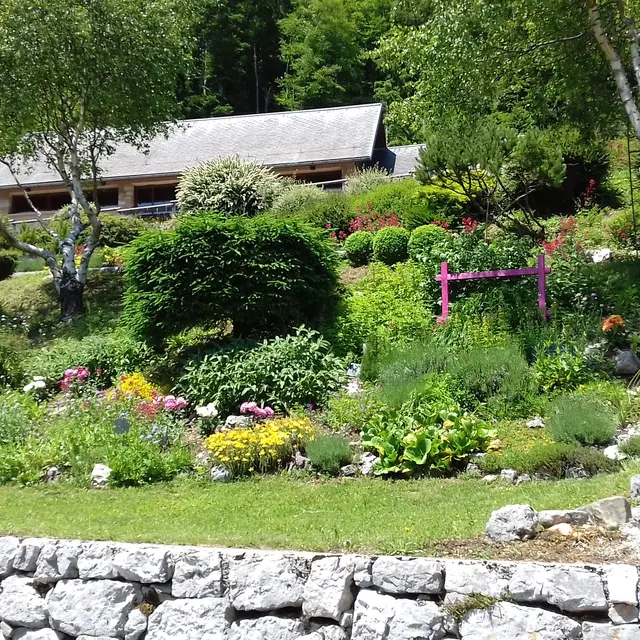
(504, 273)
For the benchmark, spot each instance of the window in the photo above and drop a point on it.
(314, 177)
(154, 194)
(58, 199)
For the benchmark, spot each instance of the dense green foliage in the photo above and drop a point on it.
(581, 420)
(427, 239)
(8, 262)
(329, 453)
(359, 248)
(391, 245)
(262, 274)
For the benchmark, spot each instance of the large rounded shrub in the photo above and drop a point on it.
(359, 248)
(8, 263)
(366, 179)
(426, 238)
(391, 245)
(435, 203)
(264, 275)
(118, 231)
(296, 198)
(228, 185)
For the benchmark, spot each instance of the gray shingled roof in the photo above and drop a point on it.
(314, 136)
(406, 159)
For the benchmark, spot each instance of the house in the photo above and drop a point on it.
(319, 146)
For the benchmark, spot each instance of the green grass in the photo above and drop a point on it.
(367, 515)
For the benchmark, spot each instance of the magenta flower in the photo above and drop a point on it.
(170, 403)
(248, 407)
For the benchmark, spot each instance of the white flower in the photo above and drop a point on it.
(35, 384)
(38, 379)
(353, 387)
(208, 411)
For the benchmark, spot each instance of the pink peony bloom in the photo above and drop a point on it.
(248, 407)
(70, 373)
(181, 403)
(82, 373)
(170, 403)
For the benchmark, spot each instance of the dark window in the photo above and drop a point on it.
(57, 200)
(154, 194)
(314, 177)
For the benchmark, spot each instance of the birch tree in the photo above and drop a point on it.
(77, 78)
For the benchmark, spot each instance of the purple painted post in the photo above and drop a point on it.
(444, 274)
(542, 286)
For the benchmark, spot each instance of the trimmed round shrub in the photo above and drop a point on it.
(8, 263)
(230, 186)
(391, 245)
(263, 275)
(425, 238)
(359, 248)
(118, 231)
(575, 419)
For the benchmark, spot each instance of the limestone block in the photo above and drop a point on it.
(143, 563)
(327, 593)
(635, 487)
(58, 561)
(506, 621)
(610, 513)
(96, 562)
(265, 582)
(511, 523)
(136, 625)
(596, 631)
(476, 577)
(550, 519)
(96, 608)
(20, 603)
(623, 613)
(27, 556)
(201, 619)
(408, 575)
(39, 634)
(622, 583)
(362, 572)
(383, 616)
(269, 627)
(197, 574)
(9, 548)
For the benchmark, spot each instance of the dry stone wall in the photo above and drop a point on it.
(64, 590)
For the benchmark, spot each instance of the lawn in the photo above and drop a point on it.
(365, 515)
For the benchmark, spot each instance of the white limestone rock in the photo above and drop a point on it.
(197, 574)
(597, 631)
(95, 638)
(327, 592)
(27, 557)
(368, 463)
(622, 584)
(511, 523)
(506, 621)
(465, 578)
(407, 575)
(9, 548)
(143, 563)
(96, 562)
(100, 475)
(96, 608)
(136, 625)
(613, 453)
(40, 634)
(57, 561)
(362, 572)
(611, 513)
(509, 475)
(265, 583)
(5, 630)
(379, 616)
(332, 632)
(569, 588)
(623, 613)
(202, 618)
(635, 487)
(267, 627)
(21, 604)
(550, 518)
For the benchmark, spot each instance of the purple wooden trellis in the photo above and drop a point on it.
(541, 271)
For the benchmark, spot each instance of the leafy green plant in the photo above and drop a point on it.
(359, 248)
(434, 203)
(351, 411)
(294, 370)
(560, 371)
(331, 212)
(118, 231)
(296, 198)
(270, 275)
(365, 180)
(631, 447)
(576, 419)
(18, 414)
(230, 186)
(391, 245)
(396, 197)
(14, 347)
(555, 460)
(8, 262)
(427, 238)
(472, 602)
(329, 453)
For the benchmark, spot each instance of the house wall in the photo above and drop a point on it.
(60, 590)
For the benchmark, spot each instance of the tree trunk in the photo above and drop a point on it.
(71, 294)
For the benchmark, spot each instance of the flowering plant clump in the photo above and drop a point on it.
(613, 323)
(253, 409)
(208, 411)
(76, 379)
(135, 385)
(371, 220)
(470, 225)
(262, 447)
(567, 230)
(36, 385)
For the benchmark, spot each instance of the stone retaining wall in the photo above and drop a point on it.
(59, 589)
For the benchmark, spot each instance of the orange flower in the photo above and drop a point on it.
(612, 323)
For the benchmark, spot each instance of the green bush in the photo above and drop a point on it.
(8, 262)
(13, 351)
(281, 373)
(332, 212)
(435, 203)
(498, 377)
(296, 198)
(578, 420)
(427, 240)
(391, 245)
(620, 229)
(264, 275)
(561, 371)
(347, 412)
(17, 416)
(550, 461)
(329, 453)
(114, 353)
(230, 186)
(359, 248)
(396, 197)
(631, 447)
(365, 180)
(118, 231)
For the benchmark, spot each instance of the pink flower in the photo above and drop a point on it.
(70, 373)
(248, 407)
(170, 403)
(82, 373)
(181, 403)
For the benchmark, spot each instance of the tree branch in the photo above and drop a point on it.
(540, 45)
